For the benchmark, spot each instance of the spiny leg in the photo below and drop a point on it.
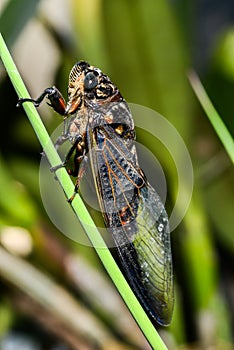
(58, 103)
(80, 165)
(58, 143)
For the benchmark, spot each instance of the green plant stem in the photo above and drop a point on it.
(79, 208)
(212, 114)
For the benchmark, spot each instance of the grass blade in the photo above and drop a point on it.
(212, 114)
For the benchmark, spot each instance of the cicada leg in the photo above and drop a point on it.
(79, 170)
(55, 97)
(58, 143)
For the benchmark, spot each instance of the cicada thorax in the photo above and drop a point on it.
(95, 101)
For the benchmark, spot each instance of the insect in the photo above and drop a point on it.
(100, 127)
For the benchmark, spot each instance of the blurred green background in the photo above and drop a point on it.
(147, 48)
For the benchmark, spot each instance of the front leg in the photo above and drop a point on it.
(55, 97)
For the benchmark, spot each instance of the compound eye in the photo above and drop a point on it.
(90, 81)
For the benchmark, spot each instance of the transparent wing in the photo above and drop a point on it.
(137, 220)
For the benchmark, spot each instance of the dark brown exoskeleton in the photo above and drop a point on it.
(101, 126)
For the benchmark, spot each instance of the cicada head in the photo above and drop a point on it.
(88, 85)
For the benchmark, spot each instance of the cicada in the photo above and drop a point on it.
(100, 127)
